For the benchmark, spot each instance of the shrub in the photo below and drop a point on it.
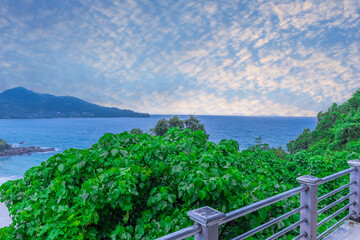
(130, 186)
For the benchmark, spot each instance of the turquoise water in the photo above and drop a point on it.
(83, 132)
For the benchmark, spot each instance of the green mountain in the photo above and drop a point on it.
(22, 103)
(336, 128)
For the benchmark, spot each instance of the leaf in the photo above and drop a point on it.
(114, 151)
(202, 194)
(219, 185)
(61, 168)
(263, 213)
(126, 217)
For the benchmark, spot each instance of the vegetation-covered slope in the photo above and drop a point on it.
(336, 127)
(22, 103)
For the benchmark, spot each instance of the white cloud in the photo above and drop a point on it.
(230, 57)
(210, 7)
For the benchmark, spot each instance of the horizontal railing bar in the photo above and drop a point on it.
(335, 226)
(337, 175)
(335, 214)
(268, 224)
(183, 233)
(263, 203)
(335, 203)
(286, 230)
(335, 191)
(300, 236)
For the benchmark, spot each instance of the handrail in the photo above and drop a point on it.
(208, 220)
(286, 230)
(268, 224)
(300, 236)
(335, 203)
(337, 175)
(335, 225)
(336, 191)
(183, 233)
(261, 204)
(335, 214)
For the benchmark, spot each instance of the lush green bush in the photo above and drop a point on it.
(130, 186)
(279, 151)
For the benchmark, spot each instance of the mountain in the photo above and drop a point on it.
(22, 103)
(336, 128)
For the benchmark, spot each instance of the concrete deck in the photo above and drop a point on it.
(350, 230)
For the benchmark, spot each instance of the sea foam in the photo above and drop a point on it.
(5, 219)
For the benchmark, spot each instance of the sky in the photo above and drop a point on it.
(259, 58)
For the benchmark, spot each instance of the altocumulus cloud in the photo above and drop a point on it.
(203, 57)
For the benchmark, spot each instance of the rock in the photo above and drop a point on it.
(23, 151)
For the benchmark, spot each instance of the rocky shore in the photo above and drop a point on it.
(23, 151)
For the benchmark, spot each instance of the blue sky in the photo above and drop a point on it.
(287, 58)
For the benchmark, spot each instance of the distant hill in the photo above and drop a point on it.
(22, 103)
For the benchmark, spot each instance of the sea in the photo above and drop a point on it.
(65, 133)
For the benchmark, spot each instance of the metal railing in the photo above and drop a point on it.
(207, 220)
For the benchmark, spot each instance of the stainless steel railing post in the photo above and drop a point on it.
(355, 176)
(309, 198)
(209, 219)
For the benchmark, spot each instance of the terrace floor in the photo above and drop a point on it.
(350, 230)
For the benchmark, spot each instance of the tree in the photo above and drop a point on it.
(175, 121)
(137, 131)
(161, 127)
(194, 124)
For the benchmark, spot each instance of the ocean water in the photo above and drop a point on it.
(84, 132)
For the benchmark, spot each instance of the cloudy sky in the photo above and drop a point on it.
(287, 58)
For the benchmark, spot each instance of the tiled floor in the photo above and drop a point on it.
(348, 231)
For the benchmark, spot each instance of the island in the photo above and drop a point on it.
(6, 150)
(21, 103)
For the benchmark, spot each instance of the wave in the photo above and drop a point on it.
(15, 145)
(56, 149)
(5, 179)
(5, 219)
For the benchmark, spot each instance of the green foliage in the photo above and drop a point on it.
(5, 233)
(175, 121)
(194, 124)
(4, 145)
(301, 142)
(130, 186)
(279, 151)
(336, 127)
(163, 125)
(137, 131)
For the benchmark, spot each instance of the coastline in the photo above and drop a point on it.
(13, 151)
